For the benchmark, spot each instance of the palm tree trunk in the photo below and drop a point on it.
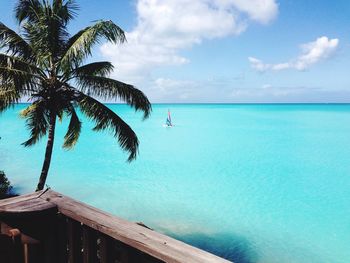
(48, 152)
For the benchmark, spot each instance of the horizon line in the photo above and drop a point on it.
(223, 103)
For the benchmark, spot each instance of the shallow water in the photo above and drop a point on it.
(252, 183)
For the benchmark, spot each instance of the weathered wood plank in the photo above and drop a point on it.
(20, 198)
(26, 206)
(155, 244)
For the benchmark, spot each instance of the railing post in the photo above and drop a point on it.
(62, 240)
(89, 245)
(18, 247)
(74, 241)
(124, 257)
(106, 249)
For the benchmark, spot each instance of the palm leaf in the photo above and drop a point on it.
(14, 43)
(44, 24)
(47, 37)
(107, 119)
(8, 96)
(74, 128)
(65, 11)
(107, 88)
(21, 80)
(30, 10)
(79, 46)
(37, 121)
(24, 76)
(13, 62)
(101, 69)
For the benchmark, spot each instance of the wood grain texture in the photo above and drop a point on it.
(25, 204)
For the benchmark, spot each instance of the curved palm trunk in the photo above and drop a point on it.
(48, 153)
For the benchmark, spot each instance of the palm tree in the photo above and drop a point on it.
(45, 65)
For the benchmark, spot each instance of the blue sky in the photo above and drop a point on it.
(226, 50)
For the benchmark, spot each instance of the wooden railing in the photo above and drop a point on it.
(55, 228)
(80, 243)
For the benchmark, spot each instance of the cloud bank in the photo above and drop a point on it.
(312, 53)
(166, 27)
(289, 94)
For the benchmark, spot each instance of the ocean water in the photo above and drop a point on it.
(251, 183)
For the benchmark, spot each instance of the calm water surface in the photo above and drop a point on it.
(252, 183)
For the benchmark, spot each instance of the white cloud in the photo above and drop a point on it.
(312, 53)
(289, 94)
(260, 10)
(211, 89)
(315, 51)
(266, 86)
(173, 89)
(165, 27)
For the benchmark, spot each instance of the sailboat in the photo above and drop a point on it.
(168, 122)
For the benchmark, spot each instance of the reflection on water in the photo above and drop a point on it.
(229, 246)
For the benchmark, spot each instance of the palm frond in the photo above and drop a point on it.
(24, 76)
(14, 43)
(74, 128)
(20, 74)
(28, 10)
(101, 69)
(37, 38)
(37, 121)
(107, 119)
(66, 11)
(47, 37)
(80, 45)
(14, 62)
(21, 80)
(107, 88)
(8, 96)
(45, 27)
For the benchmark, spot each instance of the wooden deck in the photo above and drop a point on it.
(86, 234)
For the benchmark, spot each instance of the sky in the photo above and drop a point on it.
(225, 51)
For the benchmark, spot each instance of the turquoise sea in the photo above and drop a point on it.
(252, 183)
